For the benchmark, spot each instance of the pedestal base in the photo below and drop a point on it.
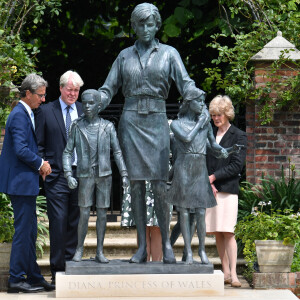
(119, 278)
(117, 266)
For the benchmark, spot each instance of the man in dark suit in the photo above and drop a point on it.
(20, 167)
(52, 121)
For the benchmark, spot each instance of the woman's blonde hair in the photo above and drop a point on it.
(222, 105)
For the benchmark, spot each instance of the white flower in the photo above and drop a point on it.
(126, 214)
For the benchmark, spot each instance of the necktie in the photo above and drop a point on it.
(32, 119)
(68, 123)
(68, 120)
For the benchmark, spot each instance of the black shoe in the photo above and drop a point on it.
(46, 285)
(53, 281)
(23, 287)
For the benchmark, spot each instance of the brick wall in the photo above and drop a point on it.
(274, 145)
(289, 281)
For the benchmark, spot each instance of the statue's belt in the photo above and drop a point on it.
(145, 105)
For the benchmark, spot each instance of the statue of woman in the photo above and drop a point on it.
(145, 72)
(190, 190)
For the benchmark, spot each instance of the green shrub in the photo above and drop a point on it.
(281, 192)
(7, 220)
(280, 226)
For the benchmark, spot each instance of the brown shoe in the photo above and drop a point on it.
(236, 284)
(227, 281)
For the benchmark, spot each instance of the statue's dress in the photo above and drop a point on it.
(143, 127)
(190, 186)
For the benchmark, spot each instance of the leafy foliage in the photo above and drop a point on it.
(7, 221)
(43, 231)
(272, 194)
(17, 58)
(296, 260)
(252, 24)
(282, 192)
(280, 226)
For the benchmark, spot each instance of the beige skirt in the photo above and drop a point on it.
(223, 217)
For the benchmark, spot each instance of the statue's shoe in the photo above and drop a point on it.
(169, 257)
(78, 254)
(203, 257)
(100, 258)
(189, 259)
(139, 257)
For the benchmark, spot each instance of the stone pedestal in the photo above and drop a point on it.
(122, 279)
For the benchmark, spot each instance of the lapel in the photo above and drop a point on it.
(79, 108)
(227, 136)
(59, 117)
(102, 126)
(29, 118)
(82, 128)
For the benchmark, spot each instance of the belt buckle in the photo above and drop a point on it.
(143, 106)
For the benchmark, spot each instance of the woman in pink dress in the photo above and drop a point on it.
(224, 176)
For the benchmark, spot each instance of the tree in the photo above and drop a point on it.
(251, 25)
(17, 58)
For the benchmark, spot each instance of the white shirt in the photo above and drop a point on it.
(73, 110)
(30, 112)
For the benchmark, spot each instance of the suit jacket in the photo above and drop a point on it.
(19, 160)
(107, 139)
(228, 170)
(51, 135)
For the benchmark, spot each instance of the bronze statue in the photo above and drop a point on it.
(93, 137)
(190, 190)
(145, 72)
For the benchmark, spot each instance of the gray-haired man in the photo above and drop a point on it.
(52, 121)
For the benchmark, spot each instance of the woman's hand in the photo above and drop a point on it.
(212, 178)
(214, 189)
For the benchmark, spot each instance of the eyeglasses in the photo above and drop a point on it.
(41, 95)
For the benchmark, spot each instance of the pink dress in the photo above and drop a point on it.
(223, 217)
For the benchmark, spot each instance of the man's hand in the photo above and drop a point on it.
(125, 182)
(72, 182)
(45, 169)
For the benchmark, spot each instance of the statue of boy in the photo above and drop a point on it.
(93, 137)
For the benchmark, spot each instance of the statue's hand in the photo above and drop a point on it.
(224, 153)
(206, 115)
(237, 148)
(125, 182)
(72, 182)
(202, 97)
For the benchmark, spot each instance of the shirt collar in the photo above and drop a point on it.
(29, 110)
(156, 44)
(63, 105)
